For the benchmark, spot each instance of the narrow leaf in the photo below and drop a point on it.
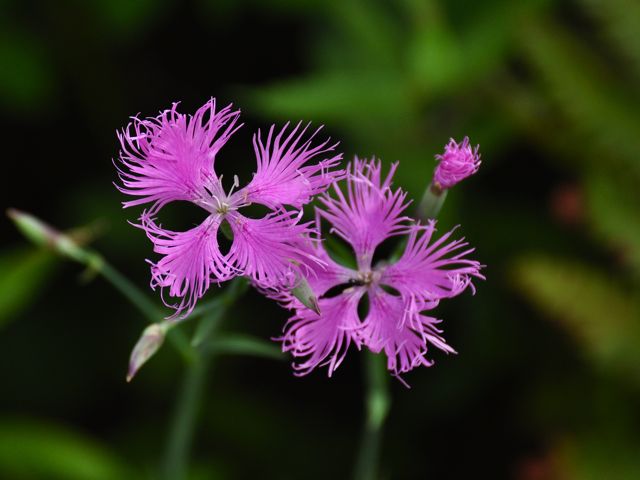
(37, 450)
(244, 345)
(590, 305)
(24, 273)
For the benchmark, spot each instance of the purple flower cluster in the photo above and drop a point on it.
(379, 305)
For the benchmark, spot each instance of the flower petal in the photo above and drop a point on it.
(171, 157)
(191, 260)
(321, 274)
(284, 175)
(317, 340)
(427, 272)
(269, 250)
(403, 336)
(369, 213)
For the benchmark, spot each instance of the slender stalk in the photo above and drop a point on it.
(378, 399)
(377, 403)
(176, 460)
(129, 290)
(141, 301)
(431, 202)
(183, 424)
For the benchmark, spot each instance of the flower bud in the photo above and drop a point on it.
(150, 341)
(45, 235)
(455, 164)
(303, 292)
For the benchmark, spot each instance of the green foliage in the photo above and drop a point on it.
(34, 450)
(551, 84)
(239, 344)
(26, 79)
(620, 20)
(126, 16)
(25, 271)
(589, 305)
(601, 115)
(596, 456)
(612, 207)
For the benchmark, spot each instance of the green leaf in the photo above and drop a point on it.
(436, 59)
(214, 313)
(613, 208)
(347, 96)
(244, 345)
(370, 30)
(598, 108)
(24, 272)
(26, 78)
(125, 17)
(444, 59)
(620, 20)
(589, 305)
(596, 456)
(32, 449)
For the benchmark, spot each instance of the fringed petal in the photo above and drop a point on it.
(191, 261)
(318, 340)
(369, 213)
(171, 157)
(269, 250)
(403, 336)
(428, 271)
(284, 175)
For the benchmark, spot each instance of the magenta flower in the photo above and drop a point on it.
(172, 157)
(397, 294)
(455, 164)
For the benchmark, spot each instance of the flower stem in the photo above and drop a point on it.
(378, 403)
(128, 290)
(139, 300)
(183, 424)
(176, 460)
(431, 202)
(69, 246)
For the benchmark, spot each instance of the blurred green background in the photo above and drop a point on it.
(547, 382)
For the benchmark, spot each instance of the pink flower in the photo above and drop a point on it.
(396, 295)
(172, 157)
(456, 163)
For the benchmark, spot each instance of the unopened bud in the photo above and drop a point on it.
(458, 162)
(45, 235)
(303, 292)
(148, 344)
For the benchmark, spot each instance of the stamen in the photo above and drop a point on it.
(236, 184)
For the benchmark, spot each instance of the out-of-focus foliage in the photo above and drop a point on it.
(398, 82)
(33, 449)
(592, 307)
(546, 383)
(24, 272)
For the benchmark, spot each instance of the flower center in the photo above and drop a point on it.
(217, 201)
(222, 208)
(368, 277)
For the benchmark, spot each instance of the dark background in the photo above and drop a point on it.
(545, 385)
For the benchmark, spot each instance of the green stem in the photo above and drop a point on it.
(129, 290)
(378, 403)
(176, 459)
(431, 202)
(139, 300)
(183, 424)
